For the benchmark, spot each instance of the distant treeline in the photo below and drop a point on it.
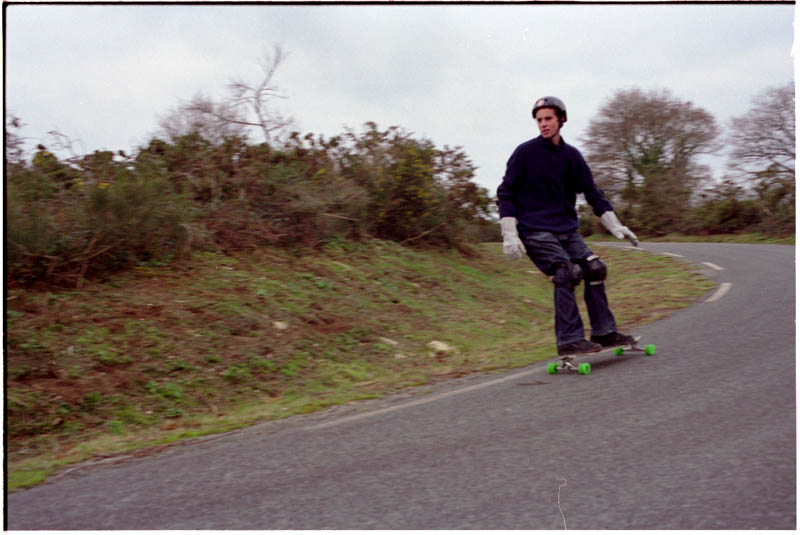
(644, 149)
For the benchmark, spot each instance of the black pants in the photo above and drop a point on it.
(548, 252)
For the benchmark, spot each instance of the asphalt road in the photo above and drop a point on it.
(699, 436)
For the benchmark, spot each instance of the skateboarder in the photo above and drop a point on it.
(538, 218)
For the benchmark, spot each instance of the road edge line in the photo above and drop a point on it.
(721, 291)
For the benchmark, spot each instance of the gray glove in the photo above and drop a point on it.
(610, 221)
(512, 245)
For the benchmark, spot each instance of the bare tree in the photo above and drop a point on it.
(643, 149)
(247, 105)
(257, 98)
(763, 153)
(212, 120)
(763, 139)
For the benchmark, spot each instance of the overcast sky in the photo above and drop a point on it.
(458, 75)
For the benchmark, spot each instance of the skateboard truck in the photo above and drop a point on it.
(584, 368)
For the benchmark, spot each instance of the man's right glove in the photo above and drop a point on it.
(610, 221)
(512, 245)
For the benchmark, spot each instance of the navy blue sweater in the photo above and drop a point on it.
(541, 184)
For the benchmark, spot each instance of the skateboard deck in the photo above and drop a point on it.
(566, 363)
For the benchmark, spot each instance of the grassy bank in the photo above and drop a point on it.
(213, 343)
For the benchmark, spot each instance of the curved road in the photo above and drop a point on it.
(699, 436)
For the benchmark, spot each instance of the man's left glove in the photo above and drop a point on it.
(512, 245)
(610, 221)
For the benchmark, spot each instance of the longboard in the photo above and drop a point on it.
(565, 363)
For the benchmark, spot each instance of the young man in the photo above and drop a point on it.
(538, 218)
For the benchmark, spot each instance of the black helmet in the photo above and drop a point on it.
(551, 102)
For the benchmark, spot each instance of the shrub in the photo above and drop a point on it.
(82, 228)
(102, 212)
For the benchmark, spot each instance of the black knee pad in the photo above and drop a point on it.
(594, 270)
(567, 276)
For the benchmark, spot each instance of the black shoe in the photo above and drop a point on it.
(578, 348)
(613, 339)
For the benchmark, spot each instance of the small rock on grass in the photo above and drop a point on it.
(440, 348)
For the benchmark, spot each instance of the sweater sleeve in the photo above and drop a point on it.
(507, 192)
(594, 195)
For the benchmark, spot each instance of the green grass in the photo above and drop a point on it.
(753, 237)
(167, 353)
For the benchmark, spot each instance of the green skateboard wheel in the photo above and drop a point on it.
(650, 349)
(619, 351)
(552, 368)
(584, 368)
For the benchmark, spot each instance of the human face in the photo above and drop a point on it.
(549, 125)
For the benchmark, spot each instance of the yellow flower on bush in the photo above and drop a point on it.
(103, 185)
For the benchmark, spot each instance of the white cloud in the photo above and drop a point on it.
(459, 75)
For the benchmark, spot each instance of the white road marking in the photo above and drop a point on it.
(722, 290)
(426, 399)
(673, 254)
(714, 266)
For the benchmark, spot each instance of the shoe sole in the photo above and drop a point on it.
(586, 352)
